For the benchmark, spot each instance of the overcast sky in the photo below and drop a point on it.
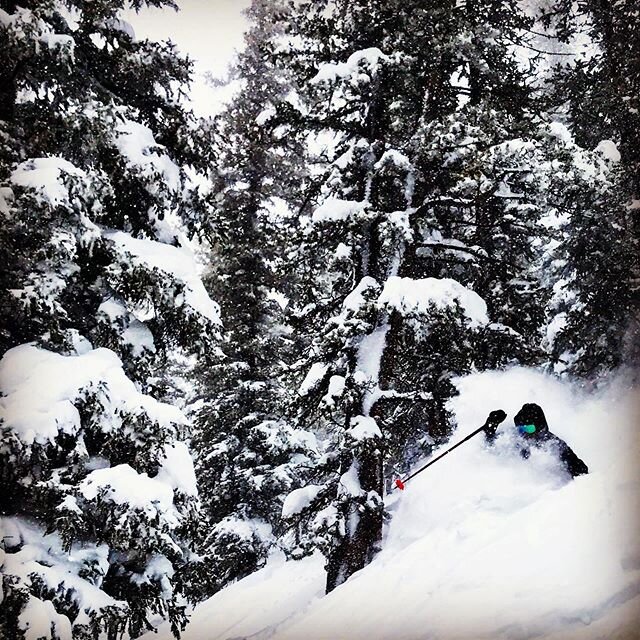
(207, 30)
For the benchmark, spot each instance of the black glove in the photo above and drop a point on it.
(491, 425)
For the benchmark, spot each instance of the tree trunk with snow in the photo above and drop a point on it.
(363, 517)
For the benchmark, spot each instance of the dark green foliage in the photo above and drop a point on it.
(600, 95)
(248, 451)
(95, 210)
(421, 101)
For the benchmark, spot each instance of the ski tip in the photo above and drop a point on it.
(400, 484)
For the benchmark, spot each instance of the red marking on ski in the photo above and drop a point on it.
(400, 484)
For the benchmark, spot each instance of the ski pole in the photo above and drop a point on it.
(494, 419)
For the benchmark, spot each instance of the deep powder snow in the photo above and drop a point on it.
(484, 544)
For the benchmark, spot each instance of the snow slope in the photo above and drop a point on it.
(482, 545)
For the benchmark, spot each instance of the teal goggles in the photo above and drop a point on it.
(527, 428)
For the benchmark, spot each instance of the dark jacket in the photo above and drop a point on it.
(532, 414)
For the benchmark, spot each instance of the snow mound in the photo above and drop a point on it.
(268, 597)
(484, 544)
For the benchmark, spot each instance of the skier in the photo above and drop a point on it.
(532, 426)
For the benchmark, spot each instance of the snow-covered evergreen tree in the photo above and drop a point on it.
(99, 285)
(599, 95)
(386, 207)
(423, 239)
(248, 452)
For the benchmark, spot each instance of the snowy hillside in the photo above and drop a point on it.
(482, 545)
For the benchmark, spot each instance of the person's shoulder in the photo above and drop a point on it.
(551, 437)
(551, 440)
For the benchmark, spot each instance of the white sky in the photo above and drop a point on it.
(209, 31)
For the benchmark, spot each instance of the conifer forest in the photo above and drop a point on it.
(232, 337)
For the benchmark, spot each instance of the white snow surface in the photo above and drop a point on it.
(484, 544)
(246, 529)
(407, 295)
(313, 377)
(334, 209)
(370, 353)
(300, 499)
(179, 262)
(43, 555)
(330, 72)
(44, 175)
(335, 390)
(135, 332)
(124, 485)
(609, 150)
(560, 131)
(177, 470)
(363, 428)
(38, 389)
(135, 141)
(356, 298)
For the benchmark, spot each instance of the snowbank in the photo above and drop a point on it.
(482, 545)
(268, 597)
